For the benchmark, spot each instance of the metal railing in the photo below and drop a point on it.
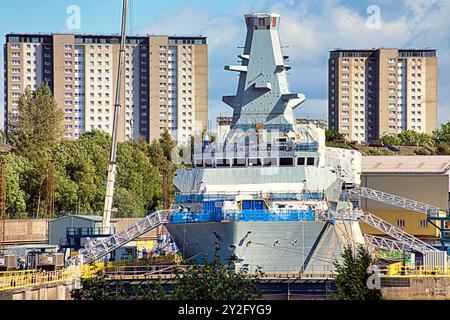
(275, 271)
(243, 215)
(401, 237)
(398, 270)
(12, 280)
(305, 195)
(393, 200)
(87, 232)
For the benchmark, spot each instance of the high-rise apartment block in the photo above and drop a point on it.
(165, 81)
(380, 92)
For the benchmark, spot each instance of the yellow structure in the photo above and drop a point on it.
(421, 178)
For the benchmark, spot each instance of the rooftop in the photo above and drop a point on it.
(406, 164)
(97, 35)
(375, 49)
(86, 217)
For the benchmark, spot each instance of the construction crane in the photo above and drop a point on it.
(112, 168)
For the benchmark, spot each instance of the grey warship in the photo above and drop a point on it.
(261, 193)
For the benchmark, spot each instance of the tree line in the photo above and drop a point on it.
(437, 143)
(45, 163)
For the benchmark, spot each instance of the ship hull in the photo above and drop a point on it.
(306, 247)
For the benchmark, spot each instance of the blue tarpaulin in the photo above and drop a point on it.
(244, 215)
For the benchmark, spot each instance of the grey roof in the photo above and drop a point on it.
(405, 164)
(85, 217)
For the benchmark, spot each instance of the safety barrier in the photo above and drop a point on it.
(12, 280)
(398, 270)
(264, 215)
(244, 215)
(270, 196)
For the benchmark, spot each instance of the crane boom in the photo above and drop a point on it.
(117, 106)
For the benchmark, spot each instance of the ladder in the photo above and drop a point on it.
(97, 249)
(398, 234)
(392, 200)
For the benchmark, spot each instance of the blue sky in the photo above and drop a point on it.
(310, 28)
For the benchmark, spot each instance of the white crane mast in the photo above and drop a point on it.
(117, 106)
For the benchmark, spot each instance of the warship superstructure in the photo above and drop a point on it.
(262, 195)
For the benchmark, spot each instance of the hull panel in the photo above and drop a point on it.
(276, 247)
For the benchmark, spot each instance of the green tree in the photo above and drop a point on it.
(214, 281)
(137, 175)
(333, 135)
(39, 120)
(392, 140)
(126, 204)
(353, 274)
(36, 128)
(98, 288)
(409, 137)
(378, 152)
(15, 197)
(442, 134)
(443, 149)
(167, 144)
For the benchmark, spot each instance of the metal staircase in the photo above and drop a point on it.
(392, 200)
(97, 249)
(399, 235)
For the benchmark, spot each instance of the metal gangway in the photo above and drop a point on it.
(401, 237)
(385, 243)
(97, 249)
(393, 200)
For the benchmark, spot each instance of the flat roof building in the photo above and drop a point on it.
(421, 178)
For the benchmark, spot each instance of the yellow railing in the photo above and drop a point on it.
(399, 270)
(12, 280)
(395, 268)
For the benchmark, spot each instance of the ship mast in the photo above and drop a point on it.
(117, 106)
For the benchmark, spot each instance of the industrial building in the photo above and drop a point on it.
(422, 178)
(165, 81)
(373, 92)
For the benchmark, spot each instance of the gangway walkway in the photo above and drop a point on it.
(385, 243)
(95, 250)
(398, 234)
(392, 200)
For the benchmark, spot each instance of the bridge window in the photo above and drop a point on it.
(310, 161)
(286, 162)
(274, 22)
(208, 163)
(300, 161)
(254, 162)
(199, 163)
(239, 162)
(268, 162)
(223, 162)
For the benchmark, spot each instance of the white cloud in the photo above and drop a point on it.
(311, 28)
